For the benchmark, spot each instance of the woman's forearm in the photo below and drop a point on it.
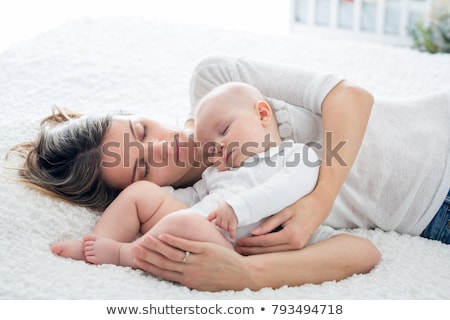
(334, 259)
(212, 267)
(345, 111)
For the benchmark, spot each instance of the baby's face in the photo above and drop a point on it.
(229, 132)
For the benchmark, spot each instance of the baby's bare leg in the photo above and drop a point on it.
(120, 221)
(141, 204)
(184, 223)
(190, 225)
(110, 243)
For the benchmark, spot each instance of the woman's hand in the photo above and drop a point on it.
(208, 267)
(298, 221)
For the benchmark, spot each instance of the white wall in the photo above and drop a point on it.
(22, 19)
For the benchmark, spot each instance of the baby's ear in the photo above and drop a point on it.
(264, 111)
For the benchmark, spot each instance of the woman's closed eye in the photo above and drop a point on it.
(142, 129)
(144, 134)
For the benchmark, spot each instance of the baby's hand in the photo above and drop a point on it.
(225, 219)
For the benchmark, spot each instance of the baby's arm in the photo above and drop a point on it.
(136, 209)
(225, 219)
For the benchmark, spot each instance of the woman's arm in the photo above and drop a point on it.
(211, 267)
(345, 111)
(301, 87)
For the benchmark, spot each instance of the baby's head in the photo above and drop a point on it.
(233, 122)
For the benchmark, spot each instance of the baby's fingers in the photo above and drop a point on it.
(232, 232)
(212, 216)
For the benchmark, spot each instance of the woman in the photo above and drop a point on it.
(402, 172)
(328, 104)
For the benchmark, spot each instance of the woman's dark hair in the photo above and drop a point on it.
(64, 160)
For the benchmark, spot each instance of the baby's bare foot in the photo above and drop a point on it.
(100, 250)
(69, 249)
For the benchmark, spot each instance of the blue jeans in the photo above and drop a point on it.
(439, 227)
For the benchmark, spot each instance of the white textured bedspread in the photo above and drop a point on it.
(144, 66)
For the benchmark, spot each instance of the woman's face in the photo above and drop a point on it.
(137, 148)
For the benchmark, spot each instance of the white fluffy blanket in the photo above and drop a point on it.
(144, 66)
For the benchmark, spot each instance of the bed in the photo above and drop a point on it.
(143, 66)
